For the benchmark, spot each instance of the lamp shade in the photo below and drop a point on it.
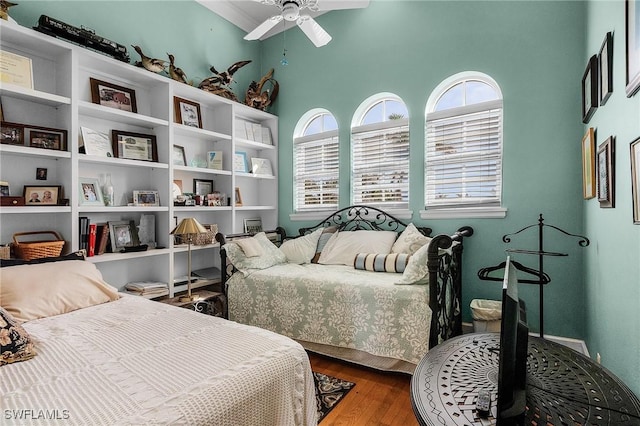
(188, 226)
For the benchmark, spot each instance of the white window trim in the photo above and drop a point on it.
(323, 214)
(465, 213)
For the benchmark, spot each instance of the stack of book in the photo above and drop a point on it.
(146, 288)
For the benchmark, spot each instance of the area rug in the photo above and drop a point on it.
(329, 392)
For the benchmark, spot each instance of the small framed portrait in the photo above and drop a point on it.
(41, 173)
(588, 165)
(90, 193)
(187, 112)
(238, 197)
(632, 31)
(635, 179)
(123, 234)
(113, 96)
(42, 195)
(12, 133)
(146, 198)
(44, 138)
(4, 189)
(605, 64)
(253, 226)
(134, 146)
(590, 89)
(178, 156)
(606, 173)
(202, 187)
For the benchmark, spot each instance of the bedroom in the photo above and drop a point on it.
(536, 51)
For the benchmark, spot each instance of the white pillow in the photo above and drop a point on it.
(300, 250)
(342, 247)
(410, 240)
(271, 255)
(250, 246)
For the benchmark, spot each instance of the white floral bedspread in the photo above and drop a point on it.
(336, 305)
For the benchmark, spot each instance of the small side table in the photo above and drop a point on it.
(208, 303)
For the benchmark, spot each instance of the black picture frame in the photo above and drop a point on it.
(123, 233)
(605, 69)
(634, 148)
(113, 96)
(605, 163)
(632, 38)
(202, 187)
(42, 195)
(134, 146)
(590, 89)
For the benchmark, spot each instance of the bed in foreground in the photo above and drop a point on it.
(134, 361)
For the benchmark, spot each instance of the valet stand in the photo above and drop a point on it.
(541, 253)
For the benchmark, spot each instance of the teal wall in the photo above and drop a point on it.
(612, 263)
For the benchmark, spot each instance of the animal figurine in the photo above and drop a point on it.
(150, 64)
(218, 84)
(261, 99)
(175, 72)
(4, 9)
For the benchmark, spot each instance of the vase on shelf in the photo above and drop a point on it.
(107, 190)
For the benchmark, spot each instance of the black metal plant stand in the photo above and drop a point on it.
(541, 253)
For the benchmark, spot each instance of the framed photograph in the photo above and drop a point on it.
(113, 96)
(4, 189)
(605, 65)
(606, 173)
(240, 163)
(590, 89)
(90, 192)
(134, 146)
(12, 133)
(214, 160)
(261, 166)
(46, 138)
(632, 32)
(123, 234)
(202, 187)
(253, 226)
(588, 165)
(42, 195)
(146, 198)
(41, 173)
(635, 179)
(96, 143)
(187, 112)
(238, 197)
(178, 157)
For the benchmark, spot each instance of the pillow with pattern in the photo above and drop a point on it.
(270, 256)
(392, 262)
(14, 340)
(410, 240)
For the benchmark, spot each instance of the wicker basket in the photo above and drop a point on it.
(206, 238)
(29, 250)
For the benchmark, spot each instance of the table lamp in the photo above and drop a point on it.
(188, 229)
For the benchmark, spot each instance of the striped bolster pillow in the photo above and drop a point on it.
(392, 262)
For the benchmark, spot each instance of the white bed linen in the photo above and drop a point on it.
(135, 361)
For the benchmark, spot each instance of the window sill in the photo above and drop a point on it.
(465, 213)
(319, 215)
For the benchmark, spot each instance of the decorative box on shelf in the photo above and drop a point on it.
(207, 302)
(11, 201)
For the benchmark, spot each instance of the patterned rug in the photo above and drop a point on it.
(329, 392)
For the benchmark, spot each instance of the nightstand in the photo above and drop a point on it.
(208, 302)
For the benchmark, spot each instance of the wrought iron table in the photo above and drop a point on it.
(564, 387)
(208, 302)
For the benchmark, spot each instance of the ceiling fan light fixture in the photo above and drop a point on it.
(290, 11)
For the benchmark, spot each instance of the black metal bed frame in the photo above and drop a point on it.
(445, 266)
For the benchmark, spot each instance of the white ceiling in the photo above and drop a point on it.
(248, 14)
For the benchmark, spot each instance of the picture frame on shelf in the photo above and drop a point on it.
(266, 136)
(202, 187)
(240, 129)
(16, 69)
(588, 165)
(113, 96)
(147, 230)
(261, 166)
(238, 197)
(632, 37)
(42, 195)
(146, 198)
(47, 138)
(90, 192)
(253, 226)
(605, 69)
(12, 133)
(134, 146)
(187, 112)
(214, 160)
(123, 233)
(4, 189)
(240, 163)
(178, 157)
(606, 173)
(635, 179)
(96, 143)
(590, 89)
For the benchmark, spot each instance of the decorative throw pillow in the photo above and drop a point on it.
(342, 247)
(301, 250)
(250, 246)
(392, 262)
(14, 340)
(410, 240)
(42, 290)
(322, 241)
(416, 271)
(271, 255)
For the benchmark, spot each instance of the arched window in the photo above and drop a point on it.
(316, 162)
(463, 143)
(380, 152)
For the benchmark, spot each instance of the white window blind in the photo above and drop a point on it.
(380, 164)
(463, 158)
(316, 172)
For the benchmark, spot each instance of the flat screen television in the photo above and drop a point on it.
(512, 370)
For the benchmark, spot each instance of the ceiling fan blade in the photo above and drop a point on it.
(341, 4)
(263, 28)
(313, 30)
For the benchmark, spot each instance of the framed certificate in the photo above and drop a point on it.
(16, 69)
(96, 143)
(134, 146)
(261, 166)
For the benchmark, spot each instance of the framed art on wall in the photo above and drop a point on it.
(635, 179)
(632, 35)
(590, 89)
(605, 69)
(588, 165)
(606, 173)
(113, 96)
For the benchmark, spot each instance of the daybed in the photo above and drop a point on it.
(102, 358)
(328, 289)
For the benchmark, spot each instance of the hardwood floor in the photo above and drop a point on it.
(379, 398)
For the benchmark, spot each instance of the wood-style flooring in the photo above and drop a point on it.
(379, 398)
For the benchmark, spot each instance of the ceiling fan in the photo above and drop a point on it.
(290, 11)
